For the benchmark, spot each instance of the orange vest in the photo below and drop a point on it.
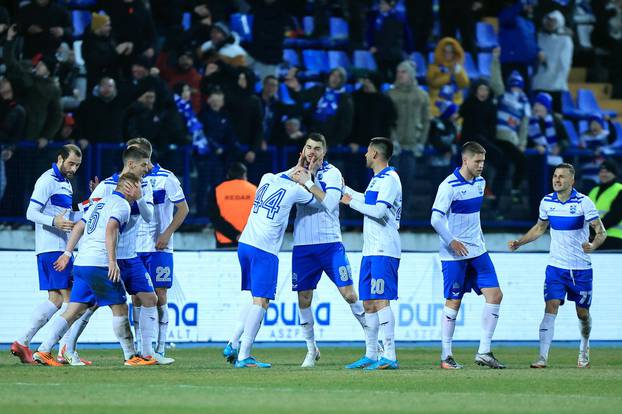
(235, 200)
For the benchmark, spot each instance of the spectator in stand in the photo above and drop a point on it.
(217, 10)
(554, 58)
(244, 109)
(517, 38)
(194, 128)
(513, 112)
(420, 15)
(200, 23)
(447, 72)
(230, 206)
(44, 24)
(542, 134)
(608, 200)
(68, 132)
(444, 133)
(180, 69)
(71, 82)
(607, 34)
(596, 139)
(167, 18)
(273, 110)
(100, 116)
(131, 23)
(223, 47)
(460, 15)
(292, 133)
(5, 22)
(266, 47)
(386, 39)
(374, 113)
(103, 57)
(143, 76)
(12, 122)
(330, 110)
(212, 154)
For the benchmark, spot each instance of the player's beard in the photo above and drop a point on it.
(67, 173)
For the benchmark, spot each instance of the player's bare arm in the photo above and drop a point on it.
(599, 238)
(535, 232)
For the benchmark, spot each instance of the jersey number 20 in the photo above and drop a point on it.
(272, 203)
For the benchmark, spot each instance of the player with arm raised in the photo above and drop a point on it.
(96, 271)
(155, 240)
(570, 215)
(258, 250)
(49, 208)
(465, 262)
(381, 205)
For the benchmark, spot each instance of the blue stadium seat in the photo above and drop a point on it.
(422, 67)
(284, 94)
(385, 87)
(364, 59)
(339, 28)
(586, 101)
(338, 58)
(80, 19)
(242, 24)
(309, 85)
(573, 136)
(486, 37)
(484, 62)
(291, 57)
(569, 109)
(469, 66)
(186, 21)
(431, 57)
(315, 61)
(308, 25)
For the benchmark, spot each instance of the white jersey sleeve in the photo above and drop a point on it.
(589, 209)
(444, 197)
(174, 192)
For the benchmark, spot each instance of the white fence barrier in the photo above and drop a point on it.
(205, 301)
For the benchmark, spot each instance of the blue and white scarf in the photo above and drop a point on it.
(328, 104)
(195, 127)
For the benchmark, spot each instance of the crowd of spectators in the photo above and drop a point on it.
(175, 72)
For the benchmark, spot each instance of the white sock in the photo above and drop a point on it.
(148, 322)
(59, 327)
(371, 335)
(448, 326)
(585, 328)
(251, 327)
(547, 330)
(306, 323)
(123, 332)
(387, 321)
(70, 339)
(163, 328)
(137, 334)
(490, 316)
(40, 316)
(358, 312)
(239, 326)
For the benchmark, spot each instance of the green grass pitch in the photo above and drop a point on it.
(201, 382)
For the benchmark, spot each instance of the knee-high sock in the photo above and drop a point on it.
(163, 328)
(40, 316)
(371, 335)
(448, 326)
(490, 316)
(59, 327)
(547, 330)
(307, 325)
(70, 338)
(251, 327)
(239, 326)
(358, 312)
(137, 334)
(148, 323)
(387, 321)
(123, 332)
(586, 328)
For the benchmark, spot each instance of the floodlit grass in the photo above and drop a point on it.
(201, 382)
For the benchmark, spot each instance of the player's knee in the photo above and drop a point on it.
(305, 298)
(56, 298)
(148, 299)
(497, 297)
(369, 306)
(350, 297)
(120, 309)
(583, 314)
(551, 307)
(162, 297)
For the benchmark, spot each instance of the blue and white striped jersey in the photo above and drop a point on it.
(569, 222)
(461, 201)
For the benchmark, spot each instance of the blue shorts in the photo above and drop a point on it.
(260, 271)
(309, 261)
(462, 276)
(135, 276)
(91, 285)
(160, 267)
(378, 278)
(50, 279)
(577, 284)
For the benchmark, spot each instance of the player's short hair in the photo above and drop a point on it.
(317, 137)
(134, 154)
(383, 146)
(270, 77)
(566, 166)
(236, 171)
(129, 178)
(66, 150)
(142, 143)
(473, 147)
